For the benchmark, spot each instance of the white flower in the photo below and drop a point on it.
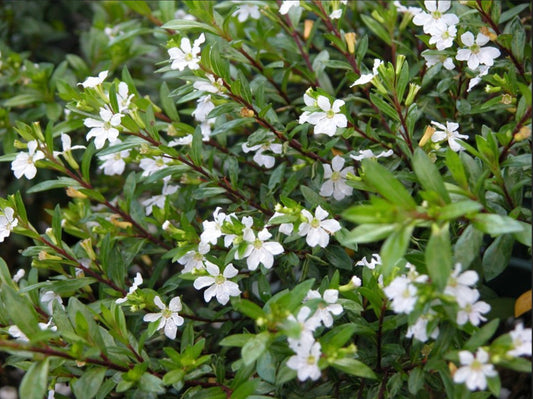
(374, 261)
(434, 59)
(260, 157)
(137, 281)
(285, 228)
(448, 132)
(521, 341)
(48, 298)
(355, 282)
(24, 163)
(159, 200)
(213, 229)
(305, 362)
(169, 319)
(195, 260)
(402, 294)
(336, 179)
(436, 15)
(259, 250)
(18, 275)
(123, 98)
(474, 54)
(244, 11)
(66, 143)
(401, 8)
(181, 14)
(307, 326)
(114, 164)
(205, 128)
(419, 329)
(367, 77)
(475, 370)
(186, 56)
(483, 70)
(94, 81)
(204, 106)
(7, 223)
(310, 102)
(330, 119)
(458, 286)
(472, 311)
(336, 14)
(185, 140)
(442, 36)
(152, 165)
(317, 228)
(327, 307)
(364, 154)
(17, 333)
(287, 5)
(105, 129)
(218, 283)
(212, 85)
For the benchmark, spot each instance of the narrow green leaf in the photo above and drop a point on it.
(247, 308)
(458, 209)
(183, 26)
(173, 376)
(416, 380)
(495, 224)
(428, 175)
(438, 255)
(87, 386)
(60, 182)
(394, 248)
(245, 390)
(354, 367)
(254, 348)
(237, 340)
(482, 336)
(467, 246)
(496, 257)
(377, 28)
(387, 185)
(34, 385)
(384, 106)
(140, 7)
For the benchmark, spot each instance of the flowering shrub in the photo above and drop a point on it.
(270, 199)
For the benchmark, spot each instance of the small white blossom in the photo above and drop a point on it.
(448, 132)
(206, 127)
(458, 286)
(245, 11)
(331, 118)
(92, 82)
(66, 143)
(213, 229)
(169, 319)
(212, 85)
(259, 250)
(19, 275)
(48, 298)
(287, 5)
(152, 165)
(17, 333)
(442, 36)
(24, 163)
(159, 200)
(114, 164)
(436, 15)
(367, 77)
(364, 154)
(474, 53)
(434, 59)
(186, 56)
(285, 228)
(185, 140)
(327, 307)
(317, 228)
(137, 281)
(375, 260)
(123, 98)
(204, 106)
(310, 102)
(182, 14)
(195, 260)
(401, 8)
(305, 362)
(472, 311)
(8, 222)
(336, 179)
(521, 341)
(307, 326)
(482, 71)
(336, 14)
(402, 294)
(218, 283)
(260, 157)
(474, 370)
(105, 129)
(419, 330)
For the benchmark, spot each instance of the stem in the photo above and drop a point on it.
(380, 333)
(517, 128)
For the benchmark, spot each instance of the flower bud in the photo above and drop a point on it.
(308, 26)
(73, 193)
(427, 135)
(523, 134)
(413, 91)
(350, 38)
(247, 112)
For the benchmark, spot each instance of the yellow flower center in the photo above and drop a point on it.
(220, 279)
(315, 223)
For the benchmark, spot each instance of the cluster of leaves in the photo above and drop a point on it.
(181, 179)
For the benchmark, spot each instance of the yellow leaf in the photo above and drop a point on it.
(522, 304)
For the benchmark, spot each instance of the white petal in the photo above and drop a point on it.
(230, 271)
(175, 304)
(159, 303)
(323, 103)
(203, 281)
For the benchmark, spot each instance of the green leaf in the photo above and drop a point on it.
(51, 184)
(34, 385)
(23, 99)
(377, 28)
(387, 185)
(482, 336)
(354, 367)
(509, 14)
(173, 376)
(495, 224)
(416, 380)
(496, 257)
(266, 368)
(183, 26)
(458, 209)
(384, 106)
(254, 347)
(338, 257)
(237, 340)
(140, 7)
(169, 106)
(87, 386)
(438, 255)
(394, 248)
(244, 390)
(21, 311)
(467, 246)
(247, 308)
(337, 337)
(428, 175)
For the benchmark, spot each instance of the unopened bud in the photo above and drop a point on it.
(166, 225)
(507, 99)
(119, 223)
(489, 33)
(354, 283)
(247, 112)
(427, 135)
(524, 133)
(413, 91)
(88, 248)
(350, 38)
(73, 193)
(43, 255)
(308, 26)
